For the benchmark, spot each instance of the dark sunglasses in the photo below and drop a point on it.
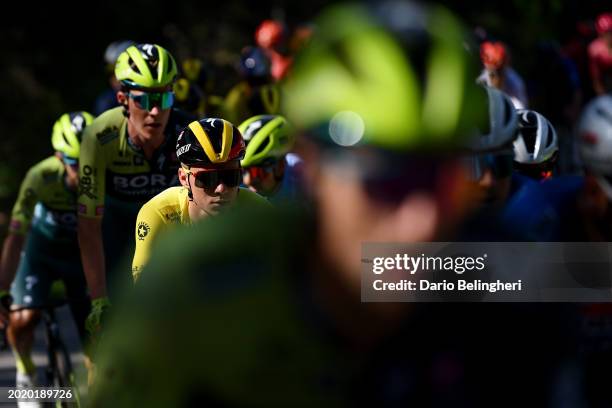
(209, 180)
(390, 178)
(147, 100)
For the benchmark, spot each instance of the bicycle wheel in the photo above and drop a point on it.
(65, 374)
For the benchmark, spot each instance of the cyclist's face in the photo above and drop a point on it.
(353, 209)
(496, 77)
(149, 124)
(263, 179)
(214, 187)
(490, 177)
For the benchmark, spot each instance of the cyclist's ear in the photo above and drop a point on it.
(182, 176)
(122, 98)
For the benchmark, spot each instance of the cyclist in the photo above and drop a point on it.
(128, 156)
(499, 74)
(490, 162)
(256, 94)
(272, 37)
(600, 55)
(108, 99)
(209, 151)
(264, 309)
(43, 225)
(536, 147)
(269, 168)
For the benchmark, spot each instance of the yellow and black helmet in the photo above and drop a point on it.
(209, 140)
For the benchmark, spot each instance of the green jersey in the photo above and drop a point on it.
(45, 202)
(115, 172)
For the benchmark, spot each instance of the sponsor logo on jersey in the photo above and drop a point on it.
(86, 186)
(121, 163)
(107, 135)
(124, 183)
(142, 230)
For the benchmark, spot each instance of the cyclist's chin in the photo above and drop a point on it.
(152, 133)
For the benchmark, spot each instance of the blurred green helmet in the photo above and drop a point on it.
(268, 138)
(67, 133)
(395, 76)
(145, 66)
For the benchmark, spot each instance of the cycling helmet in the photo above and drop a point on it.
(595, 140)
(114, 49)
(536, 142)
(267, 137)
(604, 23)
(254, 63)
(365, 58)
(502, 126)
(269, 34)
(209, 140)
(493, 54)
(145, 66)
(67, 132)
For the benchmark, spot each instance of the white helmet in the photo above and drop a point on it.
(537, 140)
(503, 123)
(114, 49)
(595, 140)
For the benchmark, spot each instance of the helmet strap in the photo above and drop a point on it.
(189, 192)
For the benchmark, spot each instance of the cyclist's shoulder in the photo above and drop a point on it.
(247, 197)
(168, 205)
(106, 127)
(46, 170)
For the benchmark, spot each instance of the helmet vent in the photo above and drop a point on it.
(263, 146)
(133, 66)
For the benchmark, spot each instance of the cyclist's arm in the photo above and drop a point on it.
(11, 252)
(92, 255)
(148, 225)
(90, 209)
(21, 218)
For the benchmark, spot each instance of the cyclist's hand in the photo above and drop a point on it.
(93, 324)
(5, 304)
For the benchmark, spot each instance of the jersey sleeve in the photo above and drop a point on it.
(148, 225)
(92, 168)
(23, 210)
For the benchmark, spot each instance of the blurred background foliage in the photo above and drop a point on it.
(52, 54)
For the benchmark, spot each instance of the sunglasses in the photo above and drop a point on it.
(500, 165)
(147, 100)
(388, 178)
(258, 172)
(70, 161)
(209, 180)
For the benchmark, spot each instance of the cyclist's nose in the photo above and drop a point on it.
(155, 110)
(487, 180)
(221, 188)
